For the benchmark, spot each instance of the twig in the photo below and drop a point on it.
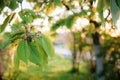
(107, 15)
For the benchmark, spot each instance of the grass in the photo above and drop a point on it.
(58, 68)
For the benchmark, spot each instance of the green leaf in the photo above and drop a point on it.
(7, 42)
(16, 61)
(12, 38)
(47, 45)
(118, 3)
(17, 26)
(115, 11)
(106, 4)
(100, 10)
(59, 23)
(23, 51)
(42, 53)
(69, 21)
(35, 56)
(7, 35)
(27, 15)
(17, 33)
(13, 4)
(6, 21)
(57, 2)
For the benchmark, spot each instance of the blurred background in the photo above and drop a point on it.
(84, 33)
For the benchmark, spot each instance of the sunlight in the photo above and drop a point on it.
(62, 30)
(115, 33)
(80, 23)
(118, 24)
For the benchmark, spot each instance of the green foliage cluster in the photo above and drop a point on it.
(33, 47)
(111, 51)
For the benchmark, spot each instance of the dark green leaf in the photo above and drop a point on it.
(17, 33)
(23, 51)
(69, 22)
(118, 3)
(13, 4)
(59, 23)
(2, 5)
(20, 1)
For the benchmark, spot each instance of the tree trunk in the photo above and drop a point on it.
(99, 59)
(99, 63)
(75, 63)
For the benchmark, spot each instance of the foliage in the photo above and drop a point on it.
(33, 47)
(110, 49)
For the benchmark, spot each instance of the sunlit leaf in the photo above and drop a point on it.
(47, 45)
(42, 52)
(57, 2)
(16, 61)
(37, 7)
(13, 37)
(7, 35)
(50, 8)
(16, 21)
(27, 15)
(100, 9)
(23, 51)
(106, 4)
(17, 26)
(7, 42)
(31, 0)
(35, 56)
(6, 22)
